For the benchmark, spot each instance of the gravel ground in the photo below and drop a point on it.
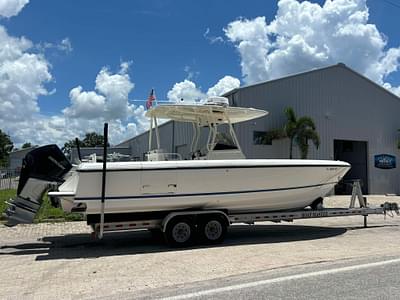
(46, 261)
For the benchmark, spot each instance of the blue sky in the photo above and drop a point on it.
(167, 42)
(161, 38)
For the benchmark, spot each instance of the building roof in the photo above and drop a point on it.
(22, 150)
(338, 65)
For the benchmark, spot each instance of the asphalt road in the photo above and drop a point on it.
(352, 279)
(315, 258)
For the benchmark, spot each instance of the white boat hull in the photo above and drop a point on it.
(232, 185)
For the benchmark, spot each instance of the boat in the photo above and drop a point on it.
(216, 175)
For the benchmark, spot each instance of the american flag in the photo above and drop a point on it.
(152, 97)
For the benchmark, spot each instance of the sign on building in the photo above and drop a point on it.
(385, 161)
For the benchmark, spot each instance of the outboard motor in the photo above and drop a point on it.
(42, 168)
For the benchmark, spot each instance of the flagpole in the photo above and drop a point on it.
(154, 95)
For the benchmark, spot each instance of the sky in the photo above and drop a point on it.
(66, 67)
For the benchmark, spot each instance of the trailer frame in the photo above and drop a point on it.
(195, 216)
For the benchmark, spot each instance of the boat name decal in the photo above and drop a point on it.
(314, 214)
(331, 169)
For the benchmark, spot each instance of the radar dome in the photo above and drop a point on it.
(221, 101)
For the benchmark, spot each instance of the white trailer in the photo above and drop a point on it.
(183, 228)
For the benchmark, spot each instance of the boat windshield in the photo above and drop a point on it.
(223, 142)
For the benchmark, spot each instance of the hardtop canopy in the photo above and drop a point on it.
(205, 114)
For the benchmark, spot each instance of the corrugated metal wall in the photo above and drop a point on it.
(343, 105)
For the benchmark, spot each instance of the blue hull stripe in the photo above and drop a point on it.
(202, 194)
(210, 167)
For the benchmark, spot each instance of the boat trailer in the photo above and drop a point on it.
(195, 220)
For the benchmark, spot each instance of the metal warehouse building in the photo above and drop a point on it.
(357, 120)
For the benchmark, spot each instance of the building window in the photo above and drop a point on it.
(261, 138)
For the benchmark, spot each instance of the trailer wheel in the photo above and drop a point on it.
(180, 232)
(212, 229)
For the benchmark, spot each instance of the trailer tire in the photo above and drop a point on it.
(212, 229)
(180, 232)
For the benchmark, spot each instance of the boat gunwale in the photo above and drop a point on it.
(163, 168)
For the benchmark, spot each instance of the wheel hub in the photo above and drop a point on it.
(213, 230)
(181, 232)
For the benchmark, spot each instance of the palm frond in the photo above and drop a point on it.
(302, 143)
(290, 114)
(312, 135)
(276, 134)
(306, 122)
(290, 130)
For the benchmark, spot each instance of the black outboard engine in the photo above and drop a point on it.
(42, 168)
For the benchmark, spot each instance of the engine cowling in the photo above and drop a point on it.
(42, 169)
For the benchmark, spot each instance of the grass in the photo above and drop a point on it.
(5, 195)
(46, 212)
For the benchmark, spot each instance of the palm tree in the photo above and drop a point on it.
(300, 131)
(398, 142)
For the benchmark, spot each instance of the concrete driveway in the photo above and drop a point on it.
(61, 261)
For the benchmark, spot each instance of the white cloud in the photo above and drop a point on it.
(109, 100)
(64, 45)
(305, 35)
(190, 74)
(212, 39)
(394, 89)
(88, 110)
(88, 105)
(223, 86)
(22, 78)
(251, 39)
(108, 103)
(10, 8)
(185, 91)
(116, 88)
